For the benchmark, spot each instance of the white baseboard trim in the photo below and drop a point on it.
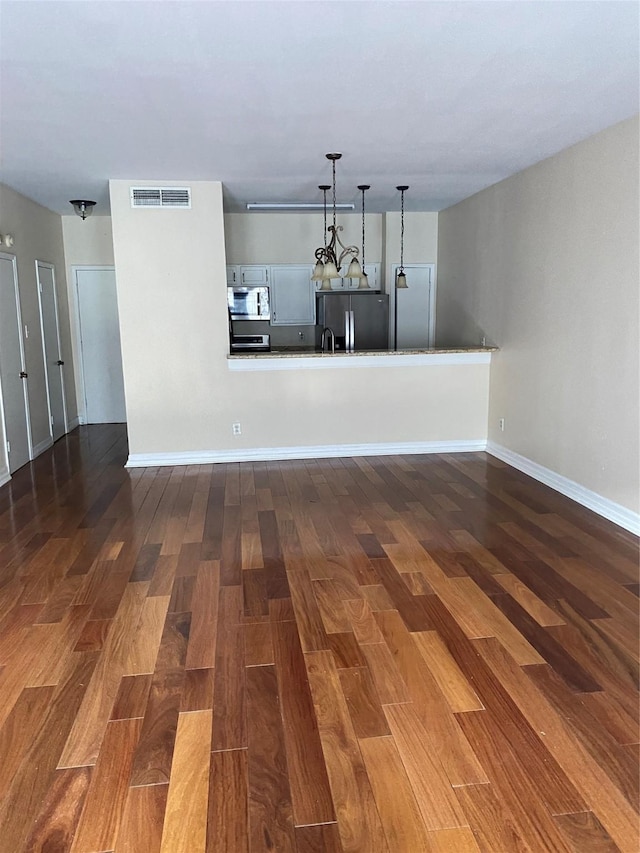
(5, 476)
(73, 423)
(42, 446)
(264, 454)
(592, 500)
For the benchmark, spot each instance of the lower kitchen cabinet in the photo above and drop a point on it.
(292, 296)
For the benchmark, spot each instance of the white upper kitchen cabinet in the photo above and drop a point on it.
(254, 275)
(292, 296)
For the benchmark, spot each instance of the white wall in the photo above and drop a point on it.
(545, 264)
(38, 237)
(88, 243)
(181, 395)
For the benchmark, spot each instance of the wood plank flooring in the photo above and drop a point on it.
(401, 654)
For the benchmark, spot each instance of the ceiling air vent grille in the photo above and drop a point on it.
(160, 197)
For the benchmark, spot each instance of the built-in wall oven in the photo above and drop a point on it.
(248, 303)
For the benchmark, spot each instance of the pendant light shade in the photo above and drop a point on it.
(401, 281)
(363, 284)
(354, 270)
(330, 271)
(318, 271)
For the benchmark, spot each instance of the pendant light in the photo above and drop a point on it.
(401, 279)
(364, 280)
(318, 270)
(331, 262)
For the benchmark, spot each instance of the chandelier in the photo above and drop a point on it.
(328, 261)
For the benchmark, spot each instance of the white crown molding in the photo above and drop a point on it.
(328, 361)
(42, 446)
(5, 476)
(264, 454)
(609, 509)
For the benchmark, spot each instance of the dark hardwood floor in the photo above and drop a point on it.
(418, 653)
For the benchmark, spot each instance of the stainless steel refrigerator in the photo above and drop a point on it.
(359, 320)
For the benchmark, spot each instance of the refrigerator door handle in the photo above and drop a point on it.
(347, 331)
(353, 331)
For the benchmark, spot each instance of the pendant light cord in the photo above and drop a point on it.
(402, 231)
(363, 230)
(324, 238)
(333, 165)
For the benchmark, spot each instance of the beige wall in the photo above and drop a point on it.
(545, 264)
(292, 238)
(420, 238)
(171, 282)
(87, 243)
(181, 396)
(38, 237)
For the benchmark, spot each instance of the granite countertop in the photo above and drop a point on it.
(298, 352)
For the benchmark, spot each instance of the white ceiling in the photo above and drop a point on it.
(448, 97)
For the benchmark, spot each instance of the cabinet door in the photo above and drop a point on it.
(233, 275)
(292, 296)
(254, 275)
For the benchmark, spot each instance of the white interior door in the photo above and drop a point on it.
(50, 328)
(415, 306)
(103, 383)
(13, 376)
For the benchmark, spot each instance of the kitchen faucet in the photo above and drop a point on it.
(324, 336)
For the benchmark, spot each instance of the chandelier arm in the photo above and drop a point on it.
(347, 249)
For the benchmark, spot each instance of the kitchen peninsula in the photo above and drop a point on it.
(309, 358)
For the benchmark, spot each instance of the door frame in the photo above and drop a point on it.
(51, 267)
(25, 390)
(77, 332)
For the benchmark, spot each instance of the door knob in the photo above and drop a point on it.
(59, 363)
(23, 375)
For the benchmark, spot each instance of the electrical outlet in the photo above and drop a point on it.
(501, 424)
(236, 429)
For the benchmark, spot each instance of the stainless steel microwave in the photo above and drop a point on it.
(248, 303)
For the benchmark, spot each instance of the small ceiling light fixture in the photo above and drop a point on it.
(331, 262)
(82, 207)
(364, 279)
(401, 279)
